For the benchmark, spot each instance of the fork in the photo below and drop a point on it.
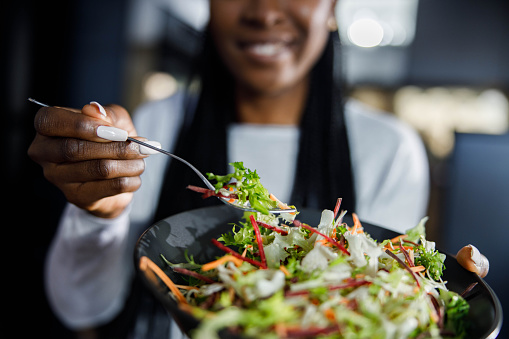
(202, 177)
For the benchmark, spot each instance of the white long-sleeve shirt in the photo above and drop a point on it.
(89, 265)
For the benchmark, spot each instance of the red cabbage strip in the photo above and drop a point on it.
(439, 310)
(207, 193)
(192, 274)
(336, 209)
(310, 332)
(273, 228)
(468, 289)
(314, 230)
(237, 255)
(259, 240)
(349, 284)
(405, 266)
(353, 283)
(405, 253)
(410, 242)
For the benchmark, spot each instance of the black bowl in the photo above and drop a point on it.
(192, 232)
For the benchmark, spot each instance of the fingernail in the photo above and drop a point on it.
(99, 107)
(111, 133)
(475, 255)
(147, 150)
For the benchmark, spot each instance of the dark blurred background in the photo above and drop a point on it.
(441, 66)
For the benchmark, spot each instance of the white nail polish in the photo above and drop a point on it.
(111, 133)
(99, 106)
(147, 150)
(475, 255)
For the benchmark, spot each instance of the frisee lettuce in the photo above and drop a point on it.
(247, 186)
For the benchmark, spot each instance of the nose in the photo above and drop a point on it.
(263, 13)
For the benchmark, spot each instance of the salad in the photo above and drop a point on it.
(281, 278)
(242, 187)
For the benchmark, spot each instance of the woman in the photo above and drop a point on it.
(270, 97)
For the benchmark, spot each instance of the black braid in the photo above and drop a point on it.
(202, 138)
(324, 170)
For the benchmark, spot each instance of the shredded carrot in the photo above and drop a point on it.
(324, 242)
(280, 204)
(186, 308)
(185, 287)
(228, 257)
(344, 301)
(285, 271)
(434, 316)
(397, 239)
(357, 226)
(146, 263)
(280, 330)
(244, 253)
(418, 268)
(329, 314)
(232, 200)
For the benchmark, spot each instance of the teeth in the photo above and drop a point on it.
(267, 49)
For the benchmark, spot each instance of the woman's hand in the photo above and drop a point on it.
(94, 174)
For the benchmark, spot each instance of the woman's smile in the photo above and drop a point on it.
(270, 45)
(267, 50)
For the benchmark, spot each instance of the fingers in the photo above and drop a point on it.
(102, 187)
(110, 207)
(64, 150)
(93, 173)
(93, 170)
(96, 190)
(106, 198)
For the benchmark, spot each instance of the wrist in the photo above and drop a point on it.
(110, 207)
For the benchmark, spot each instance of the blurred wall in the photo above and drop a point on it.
(61, 53)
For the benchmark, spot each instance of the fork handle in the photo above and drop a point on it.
(202, 177)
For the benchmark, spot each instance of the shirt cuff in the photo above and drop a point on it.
(85, 224)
